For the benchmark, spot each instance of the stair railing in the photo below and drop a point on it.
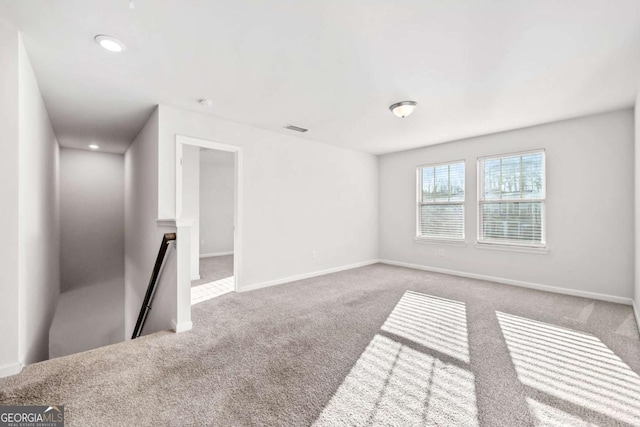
(153, 282)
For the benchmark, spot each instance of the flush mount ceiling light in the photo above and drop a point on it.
(94, 146)
(109, 43)
(403, 109)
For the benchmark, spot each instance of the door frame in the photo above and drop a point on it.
(181, 141)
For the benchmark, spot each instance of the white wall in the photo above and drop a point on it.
(299, 196)
(191, 201)
(637, 206)
(9, 336)
(142, 234)
(39, 218)
(141, 199)
(29, 269)
(92, 219)
(589, 206)
(217, 178)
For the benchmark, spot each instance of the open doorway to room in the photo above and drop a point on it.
(207, 192)
(214, 275)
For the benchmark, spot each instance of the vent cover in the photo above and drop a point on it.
(296, 128)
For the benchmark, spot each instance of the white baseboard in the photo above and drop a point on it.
(216, 254)
(181, 327)
(554, 289)
(305, 276)
(636, 311)
(10, 369)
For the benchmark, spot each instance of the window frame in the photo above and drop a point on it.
(420, 203)
(514, 245)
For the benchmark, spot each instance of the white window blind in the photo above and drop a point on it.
(511, 199)
(441, 201)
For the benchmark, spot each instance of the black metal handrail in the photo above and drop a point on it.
(151, 288)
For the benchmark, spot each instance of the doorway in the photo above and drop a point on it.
(208, 192)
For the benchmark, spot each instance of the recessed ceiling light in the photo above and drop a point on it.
(109, 43)
(403, 109)
(206, 102)
(94, 146)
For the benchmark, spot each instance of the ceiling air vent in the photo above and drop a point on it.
(296, 128)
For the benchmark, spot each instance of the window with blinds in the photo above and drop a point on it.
(441, 201)
(511, 199)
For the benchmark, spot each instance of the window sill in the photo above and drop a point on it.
(513, 248)
(447, 242)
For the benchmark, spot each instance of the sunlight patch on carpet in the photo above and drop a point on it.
(576, 373)
(437, 323)
(211, 290)
(405, 376)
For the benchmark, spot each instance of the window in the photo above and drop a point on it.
(511, 199)
(441, 201)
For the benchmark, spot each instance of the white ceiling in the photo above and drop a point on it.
(333, 66)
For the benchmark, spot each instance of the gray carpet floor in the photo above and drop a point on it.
(214, 268)
(378, 345)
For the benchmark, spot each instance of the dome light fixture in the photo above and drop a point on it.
(94, 146)
(403, 109)
(109, 43)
